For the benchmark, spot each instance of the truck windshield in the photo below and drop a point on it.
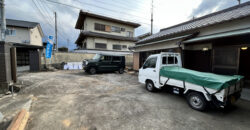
(96, 57)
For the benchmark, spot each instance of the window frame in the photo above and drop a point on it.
(101, 45)
(115, 29)
(100, 27)
(9, 32)
(119, 48)
(150, 66)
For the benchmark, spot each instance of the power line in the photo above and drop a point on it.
(60, 33)
(119, 6)
(72, 6)
(111, 10)
(48, 23)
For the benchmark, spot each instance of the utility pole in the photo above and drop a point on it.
(56, 44)
(3, 21)
(152, 19)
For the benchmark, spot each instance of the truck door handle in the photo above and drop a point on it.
(154, 71)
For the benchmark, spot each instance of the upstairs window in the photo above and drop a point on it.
(115, 29)
(11, 32)
(99, 27)
(123, 29)
(124, 47)
(130, 34)
(100, 46)
(117, 47)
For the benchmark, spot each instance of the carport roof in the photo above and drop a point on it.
(236, 12)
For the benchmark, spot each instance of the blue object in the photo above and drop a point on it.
(49, 47)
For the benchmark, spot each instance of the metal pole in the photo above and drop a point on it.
(152, 17)
(56, 44)
(3, 23)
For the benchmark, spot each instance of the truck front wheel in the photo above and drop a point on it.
(196, 101)
(150, 86)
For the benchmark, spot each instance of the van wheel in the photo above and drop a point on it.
(197, 101)
(92, 70)
(121, 71)
(150, 86)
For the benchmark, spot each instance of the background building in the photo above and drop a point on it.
(27, 37)
(104, 34)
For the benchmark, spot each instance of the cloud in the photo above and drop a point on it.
(210, 6)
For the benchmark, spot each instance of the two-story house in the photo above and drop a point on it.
(104, 34)
(24, 32)
(27, 37)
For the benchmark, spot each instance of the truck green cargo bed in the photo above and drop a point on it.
(208, 80)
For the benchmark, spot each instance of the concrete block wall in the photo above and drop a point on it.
(60, 57)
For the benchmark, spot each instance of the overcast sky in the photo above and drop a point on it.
(166, 13)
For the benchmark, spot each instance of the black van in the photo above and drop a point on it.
(104, 63)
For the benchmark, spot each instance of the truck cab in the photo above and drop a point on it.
(150, 69)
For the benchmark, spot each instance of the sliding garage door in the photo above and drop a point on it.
(226, 60)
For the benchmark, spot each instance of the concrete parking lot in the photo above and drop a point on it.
(75, 100)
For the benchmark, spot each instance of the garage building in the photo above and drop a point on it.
(217, 42)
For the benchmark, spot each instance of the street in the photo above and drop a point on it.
(76, 100)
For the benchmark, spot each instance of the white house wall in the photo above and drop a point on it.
(89, 25)
(22, 35)
(92, 40)
(35, 37)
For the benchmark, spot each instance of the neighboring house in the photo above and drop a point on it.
(24, 32)
(218, 42)
(104, 34)
(27, 37)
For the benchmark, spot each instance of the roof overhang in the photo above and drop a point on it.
(21, 45)
(219, 35)
(85, 34)
(83, 15)
(180, 38)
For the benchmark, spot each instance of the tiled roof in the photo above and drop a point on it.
(83, 15)
(228, 14)
(20, 23)
(84, 34)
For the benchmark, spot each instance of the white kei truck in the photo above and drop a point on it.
(200, 89)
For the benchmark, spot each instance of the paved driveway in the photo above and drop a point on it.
(75, 100)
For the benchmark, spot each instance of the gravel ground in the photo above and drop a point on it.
(75, 100)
